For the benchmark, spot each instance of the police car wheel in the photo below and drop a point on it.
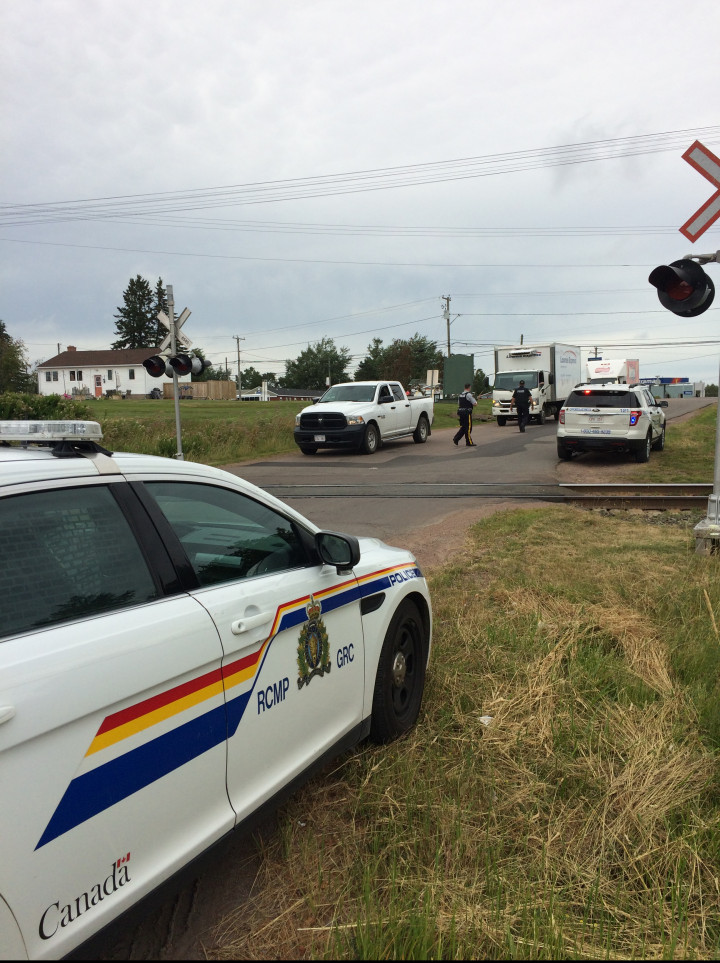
(400, 676)
(643, 454)
(659, 443)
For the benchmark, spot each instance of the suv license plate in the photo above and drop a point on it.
(319, 438)
(596, 418)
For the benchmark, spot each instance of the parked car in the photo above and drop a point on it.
(178, 650)
(611, 417)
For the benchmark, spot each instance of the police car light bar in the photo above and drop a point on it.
(44, 431)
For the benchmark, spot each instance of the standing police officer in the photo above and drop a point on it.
(466, 403)
(521, 398)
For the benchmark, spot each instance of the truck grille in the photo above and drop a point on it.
(325, 420)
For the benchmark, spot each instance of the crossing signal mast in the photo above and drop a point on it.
(685, 289)
(172, 364)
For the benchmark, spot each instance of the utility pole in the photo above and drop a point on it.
(446, 315)
(239, 377)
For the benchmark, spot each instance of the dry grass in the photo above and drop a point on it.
(558, 799)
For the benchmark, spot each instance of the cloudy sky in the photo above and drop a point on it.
(300, 169)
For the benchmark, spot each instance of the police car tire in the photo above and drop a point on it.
(643, 454)
(563, 452)
(371, 440)
(400, 679)
(422, 431)
(659, 443)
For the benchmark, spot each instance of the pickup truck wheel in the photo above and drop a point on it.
(308, 450)
(501, 422)
(643, 454)
(420, 435)
(371, 440)
(400, 678)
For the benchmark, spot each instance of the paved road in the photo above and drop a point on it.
(406, 486)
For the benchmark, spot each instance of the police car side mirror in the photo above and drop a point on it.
(661, 404)
(342, 551)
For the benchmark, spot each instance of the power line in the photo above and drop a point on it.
(263, 192)
(305, 260)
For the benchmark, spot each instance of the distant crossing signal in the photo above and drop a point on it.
(183, 364)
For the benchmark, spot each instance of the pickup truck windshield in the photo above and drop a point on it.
(349, 393)
(509, 380)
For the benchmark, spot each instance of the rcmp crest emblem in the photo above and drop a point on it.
(313, 651)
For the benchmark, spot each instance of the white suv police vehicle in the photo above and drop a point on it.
(178, 649)
(611, 417)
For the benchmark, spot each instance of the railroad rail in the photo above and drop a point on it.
(642, 496)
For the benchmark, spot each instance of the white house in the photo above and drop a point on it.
(95, 374)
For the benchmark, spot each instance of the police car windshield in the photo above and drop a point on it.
(509, 380)
(349, 393)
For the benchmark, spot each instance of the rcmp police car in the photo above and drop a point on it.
(177, 648)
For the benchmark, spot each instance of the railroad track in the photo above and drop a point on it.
(643, 496)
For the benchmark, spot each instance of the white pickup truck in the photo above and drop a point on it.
(362, 415)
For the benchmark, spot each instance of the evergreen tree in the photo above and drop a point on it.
(371, 366)
(160, 304)
(317, 363)
(13, 363)
(136, 322)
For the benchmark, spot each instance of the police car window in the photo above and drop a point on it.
(602, 398)
(64, 555)
(225, 534)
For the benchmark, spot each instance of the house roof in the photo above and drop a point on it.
(99, 359)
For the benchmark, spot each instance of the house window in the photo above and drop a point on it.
(48, 375)
(109, 377)
(55, 376)
(131, 374)
(79, 375)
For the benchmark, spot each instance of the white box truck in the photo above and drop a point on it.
(550, 371)
(623, 371)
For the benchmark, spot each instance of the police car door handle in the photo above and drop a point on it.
(6, 713)
(251, 622)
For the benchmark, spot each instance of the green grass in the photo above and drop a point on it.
(214, 432)
(582, 822)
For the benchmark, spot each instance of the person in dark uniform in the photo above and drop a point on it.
(466, 403)
(521, 398)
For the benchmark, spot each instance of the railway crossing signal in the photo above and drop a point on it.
(683, 287)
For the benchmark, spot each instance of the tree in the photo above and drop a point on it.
(317, 363)
(711, 391)
(136, 321)
(371, 366)
(480, 383)
(161, 304)
(13, 363)
(250, 378)
(407, 361)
